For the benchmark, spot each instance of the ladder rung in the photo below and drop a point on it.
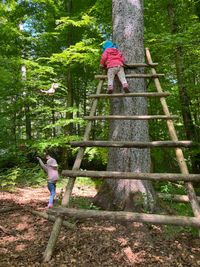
(133, 144)
(132, 175)
(141, 117)
(130, 95)
(125, 216)
(137, 65)
(135, 75)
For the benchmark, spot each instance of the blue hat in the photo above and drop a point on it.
(108, 44)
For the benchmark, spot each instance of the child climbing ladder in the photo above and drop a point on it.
(113, 60)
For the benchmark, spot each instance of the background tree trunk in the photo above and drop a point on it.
(128, 29)
(191, 131)
(69, 83)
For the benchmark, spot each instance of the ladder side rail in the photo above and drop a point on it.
(80, 154)
(68, 190)
(172, 132)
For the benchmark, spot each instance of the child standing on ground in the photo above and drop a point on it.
(113, 60)
(51, 168)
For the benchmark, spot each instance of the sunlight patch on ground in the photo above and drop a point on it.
(100, 228)
(84, 191)
(20, 247)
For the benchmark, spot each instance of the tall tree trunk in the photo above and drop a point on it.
(53, 119)
(68, 115)
(26, 107)
(14, 126)
(128, 31)
(28, 122)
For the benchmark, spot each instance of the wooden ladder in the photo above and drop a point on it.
(86, 142)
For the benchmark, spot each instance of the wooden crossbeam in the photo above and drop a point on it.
(138, 65)
(132, 176)
(177, 198)
(125, 216)
(151, 94)
(134, 75)
(128, 144)
(126, 117)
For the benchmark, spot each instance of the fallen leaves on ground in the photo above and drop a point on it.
(24, 237)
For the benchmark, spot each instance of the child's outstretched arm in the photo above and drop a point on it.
(51, 90)
(42, 164)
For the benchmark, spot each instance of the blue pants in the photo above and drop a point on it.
(52, 190)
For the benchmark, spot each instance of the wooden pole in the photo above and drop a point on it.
(51, 218)
(135, 75)
(139, 117)
(140, 65)
(7, 209)
(134, 176)
(126, 216)
(153, 94)
(141, 145)
(68, 190)
(177, 198)
(173, 135)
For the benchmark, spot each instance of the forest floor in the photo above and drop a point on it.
(24, 236)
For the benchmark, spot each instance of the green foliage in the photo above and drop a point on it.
(83, 52)
(86, 181)
(66, 21)
(30, 175)
(83, 203)
(173, 231)
(44, 144)
(98, 154)
(9, 179)
(182, 209)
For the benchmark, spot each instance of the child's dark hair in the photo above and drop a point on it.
(51, 153)
(48, 153)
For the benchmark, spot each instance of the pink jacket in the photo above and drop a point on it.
(51, 169)
(111, 58)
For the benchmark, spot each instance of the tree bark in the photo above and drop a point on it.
(53, 118)
(128, 34)
(28, 122)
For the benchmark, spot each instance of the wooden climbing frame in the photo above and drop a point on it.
(174, 142)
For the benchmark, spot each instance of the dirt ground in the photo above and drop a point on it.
(24, 236)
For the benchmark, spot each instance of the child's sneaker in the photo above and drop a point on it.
(50, 206)
(110, 91)
(126, 90)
